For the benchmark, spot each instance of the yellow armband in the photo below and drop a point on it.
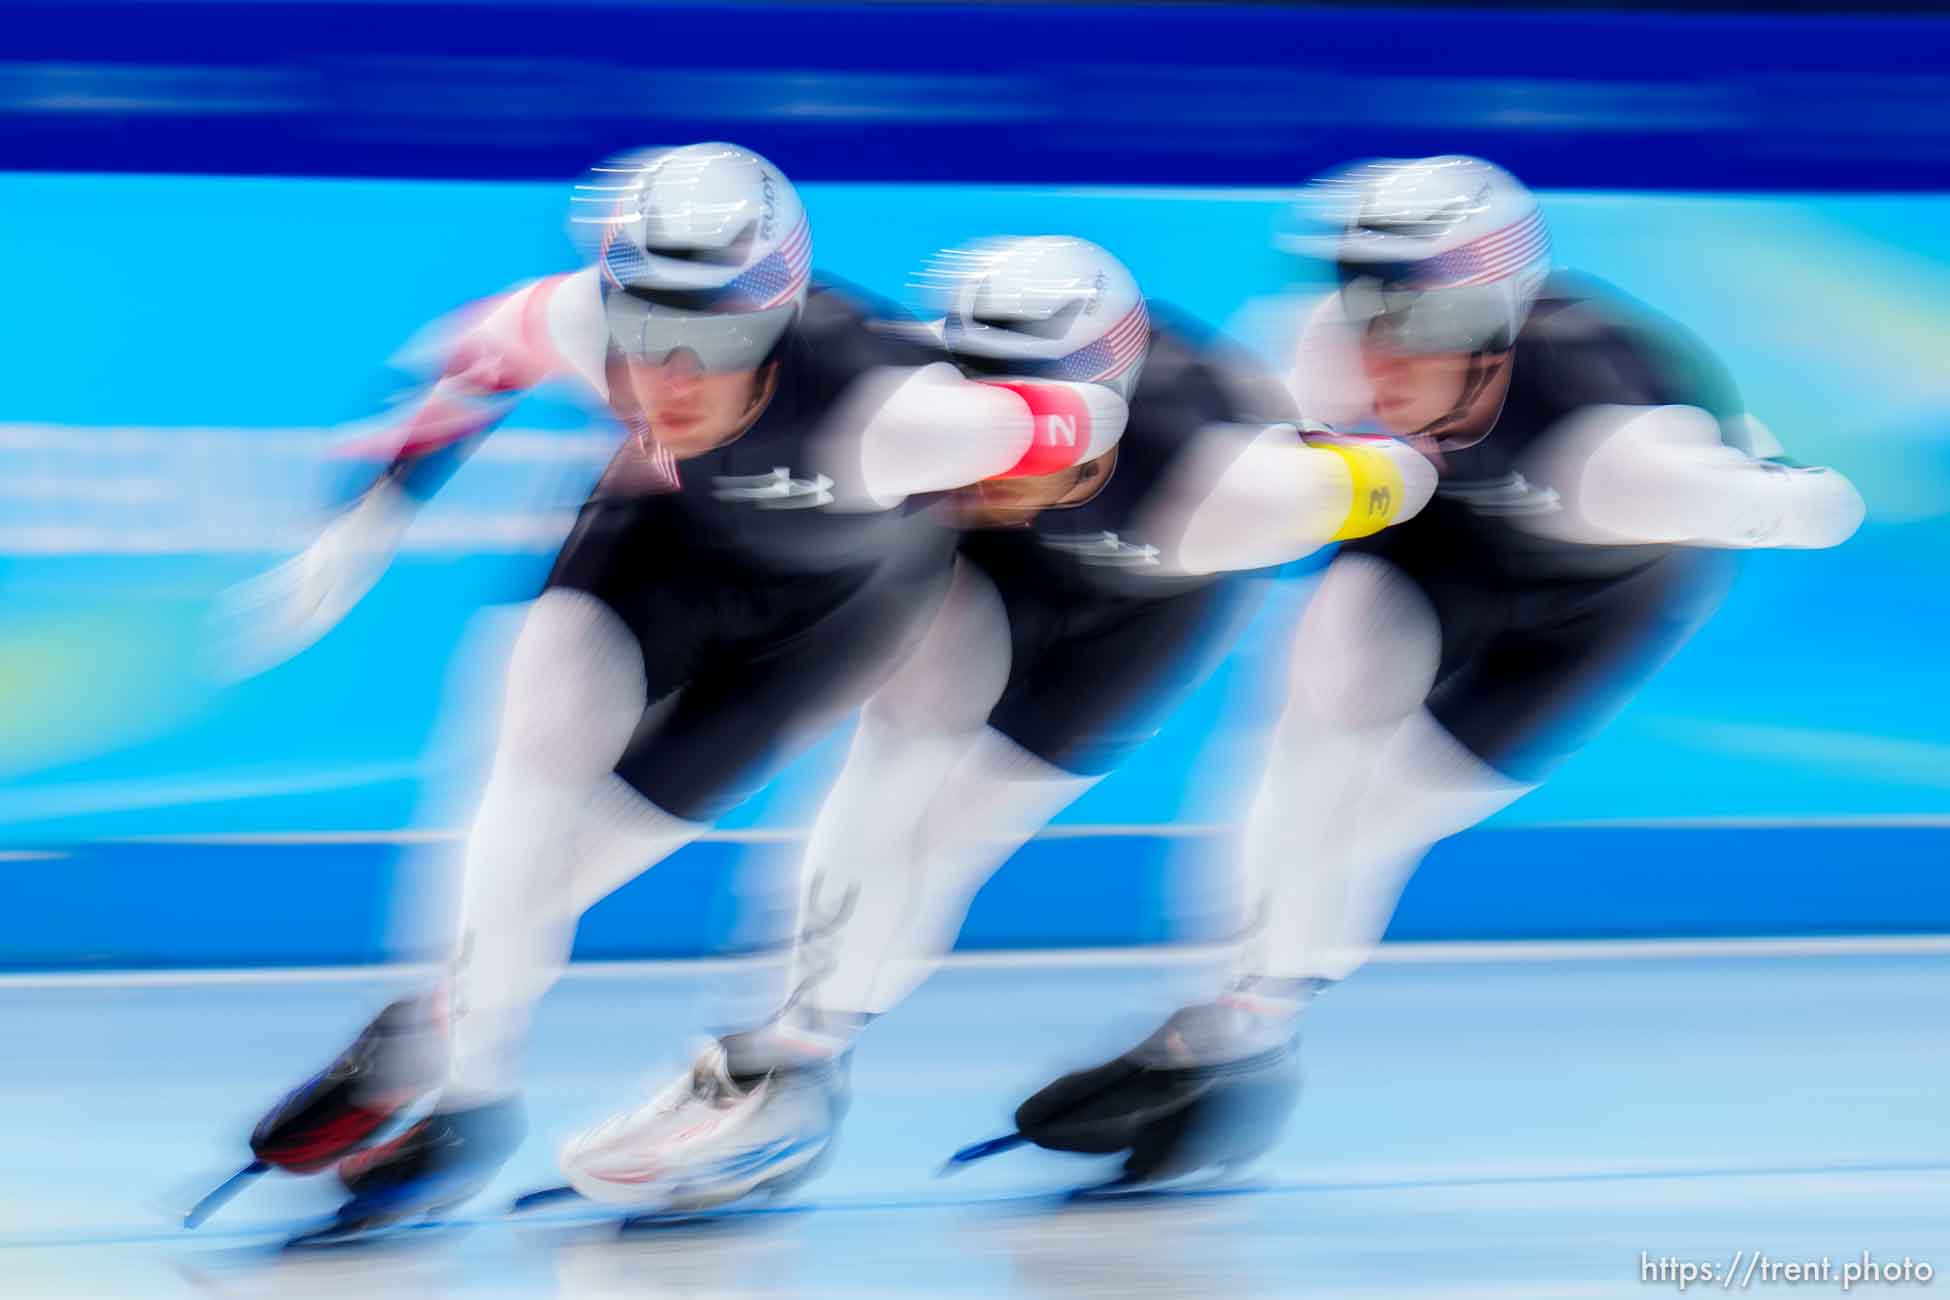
(1378, 489)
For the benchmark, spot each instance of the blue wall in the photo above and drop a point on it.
(1206, 94)
(186, 337)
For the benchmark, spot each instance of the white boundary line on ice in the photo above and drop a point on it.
(1081, 830)
(751, 835)
(1403, 954)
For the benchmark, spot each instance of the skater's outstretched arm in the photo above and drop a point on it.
(488, 358)
(1249, 498)
(905, 431)
(1629, 474)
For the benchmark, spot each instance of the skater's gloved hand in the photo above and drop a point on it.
(268, 619)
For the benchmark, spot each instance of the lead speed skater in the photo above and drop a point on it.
(1596, 467)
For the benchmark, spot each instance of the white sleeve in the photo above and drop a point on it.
(1250, 498)
(1634, 474)
(577, 333)
(535, 331)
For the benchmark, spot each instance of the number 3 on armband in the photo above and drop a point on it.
(1377, 488)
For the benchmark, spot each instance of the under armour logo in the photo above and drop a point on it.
(1104, 548)
(775, 491)
(1512, 494)
(1379, 500)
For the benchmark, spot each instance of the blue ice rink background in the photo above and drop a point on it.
(187, 342)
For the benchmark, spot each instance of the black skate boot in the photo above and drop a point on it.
(442, 1160)
(396, 1060)
(1211, 1089)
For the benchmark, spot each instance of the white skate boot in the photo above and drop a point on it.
(757, 1112)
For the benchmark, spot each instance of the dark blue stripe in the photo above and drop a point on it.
(183, 905)
(1201, 94)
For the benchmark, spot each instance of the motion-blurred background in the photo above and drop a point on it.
(219, 220)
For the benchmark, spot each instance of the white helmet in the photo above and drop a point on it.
(703, 248)
(1040, 307)
(1450, 252)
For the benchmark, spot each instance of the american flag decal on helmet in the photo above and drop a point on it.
(773, 282)
(622, 261)
(777, 278)
(1121, 347)
(1484, 260)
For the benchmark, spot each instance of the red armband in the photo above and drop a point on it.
(1060, 424)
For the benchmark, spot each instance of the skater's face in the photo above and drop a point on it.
(1005, 502)
(690, 410)
(1412, 390)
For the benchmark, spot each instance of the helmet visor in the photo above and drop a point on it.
(1384, 298)
(723, 343)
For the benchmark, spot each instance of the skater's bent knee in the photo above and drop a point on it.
(1368, 646)
(575, 686)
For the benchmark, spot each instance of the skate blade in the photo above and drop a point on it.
(644, 1219)
(745, 1210)
(968, 1155)
(221, 1196)
(392, 1213)
(356, 1229)
(582, 1210)
(1180, 1187)
(546, 1199)
(346, 1232)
